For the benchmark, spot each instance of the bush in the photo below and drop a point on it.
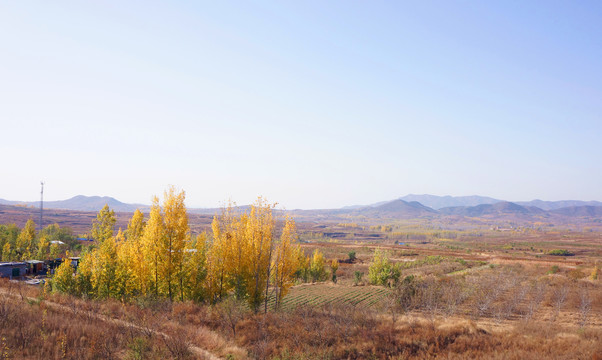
(382, 271)
(576, 274)
(560, 252)
(351, 255)
(139, 348)
(357, 277)
(317, 269)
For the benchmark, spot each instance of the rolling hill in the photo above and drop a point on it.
(497, 209)
(554, 205)
(440, 202)
(386, 210)
(579, 211)
(81, 203)
(397, 209)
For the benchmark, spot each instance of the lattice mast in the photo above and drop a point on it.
(42, 206)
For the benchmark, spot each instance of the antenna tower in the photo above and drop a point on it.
(42, 206)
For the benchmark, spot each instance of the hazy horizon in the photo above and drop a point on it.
(310, 104)
(283, 206)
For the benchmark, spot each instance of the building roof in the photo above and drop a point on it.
(13, 263)
(34, 261)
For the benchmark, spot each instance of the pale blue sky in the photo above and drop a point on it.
(312, 104)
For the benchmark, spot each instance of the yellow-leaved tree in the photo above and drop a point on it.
(84, 275)
(286, 260)
(195, 262)
(174, 243)
(233, 246)
(260, 234)
(135, 247)
(216, 282)
(63, 279)
(102, 228)
(7, 252)
(43, 248)
(153, 236)
(135, 226)
(25, 244)
(316, 269)
(124, 275)
(334, 266)
(104, 270)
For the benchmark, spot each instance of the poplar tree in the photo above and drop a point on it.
(286, 260)
(316, 268)
(125, 286)
(153, 235)
(7, 253)
(217, 257)
(43, 248)
(135, 227)
(104, 273)
(195, 262)
(83, 278)
(174, 242)
(135, 247)
(259, 233)
(102, 228)
(25, 245)
(63, 279)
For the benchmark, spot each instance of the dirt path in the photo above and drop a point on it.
(199, 352)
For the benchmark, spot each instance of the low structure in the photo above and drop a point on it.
(52, 265)
(35, 267)
(75, 262)
(13, 270)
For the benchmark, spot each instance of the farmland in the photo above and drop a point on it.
(467, 291)
(329, 294)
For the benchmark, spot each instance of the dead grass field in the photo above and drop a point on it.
(499, 295)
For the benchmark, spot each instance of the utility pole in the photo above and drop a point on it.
(42, 206)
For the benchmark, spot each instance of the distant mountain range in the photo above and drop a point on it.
(416, 206)
(440, 202)
(409, 206)
(497, 209)
(81, 203)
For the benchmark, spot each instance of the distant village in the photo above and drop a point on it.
(33, 272)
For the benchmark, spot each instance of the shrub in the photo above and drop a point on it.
(560, 252)
(351, 255)
(334, 266)
(63, 280)
(382, 271)
(139, 348)
(357, 277)
(576, 274)
(317, 269)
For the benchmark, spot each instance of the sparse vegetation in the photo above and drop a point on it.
(560, 252)
(490, 291)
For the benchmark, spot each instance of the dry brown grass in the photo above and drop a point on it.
(347, 333)
(513, 310)
(64, 327)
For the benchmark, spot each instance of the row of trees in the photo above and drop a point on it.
(160, 258)
(26, 244)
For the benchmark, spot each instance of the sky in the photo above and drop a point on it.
(311, 104)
